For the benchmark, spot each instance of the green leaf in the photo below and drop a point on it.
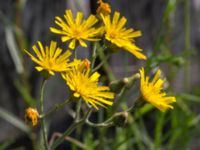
(9, 117)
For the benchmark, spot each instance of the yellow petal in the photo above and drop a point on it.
(115, 18)
(39, 68)
(65, 38)
(79, 18)
(54, 30)
(95, 76)
(76, 94)
(82, 43)
(72, 44)
(52, 48)
(69, 17)
(41, 49)
(157, 76)
(37, 52)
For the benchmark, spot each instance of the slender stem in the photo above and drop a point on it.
(109, 122)
(77, 118)
(100, 65)
(129, 83)
(103, 124)
(55, 108)
(78, 109)
(120, 98)
(44, 130)
(66, 133)
(94, 55)
(137, 103)
(106, 65)
(187, 42)
(67, 138)
(71, 129)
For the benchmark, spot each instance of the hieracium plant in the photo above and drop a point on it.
(107, 34)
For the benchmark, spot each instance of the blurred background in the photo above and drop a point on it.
(170, 39)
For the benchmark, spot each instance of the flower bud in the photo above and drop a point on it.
(104, 8)
(31, 115)
(121, 119)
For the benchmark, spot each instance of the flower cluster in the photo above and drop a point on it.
(78, 74)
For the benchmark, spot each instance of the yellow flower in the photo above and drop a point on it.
(117, 34)
(86, 86)
(50, 58)
(77, 30)
(152, 91)
(32, 115)
(103, 8)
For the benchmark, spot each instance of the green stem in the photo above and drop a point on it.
(55, 108)
(96, 125)
(109, 122)
(120, 98)
(187, 41)
(100, 65)
(66, 133)
(138, 102)
(77, 118)
(106, 65)
(78, 109)
(94, 55)
(128, 83)
(68, 138)
(44, 130)
(70, 130)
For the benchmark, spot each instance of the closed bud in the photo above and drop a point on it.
(121, 119)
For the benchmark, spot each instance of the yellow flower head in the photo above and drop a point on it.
(117, 34)
(50, 58)
(86, 86)
(152, 91)
(77, 30)
(32, 115)
(103, 8)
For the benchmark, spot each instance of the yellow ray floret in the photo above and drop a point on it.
(86, 86)
(152, 91)
(103, 8)
(77, 30)
(117, 34)
(50, 58)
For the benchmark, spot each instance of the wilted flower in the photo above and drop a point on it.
(103, 8)
(32, 115)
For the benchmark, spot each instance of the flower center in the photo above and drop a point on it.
(112, 35)
(50, 63)
(77, 33)
(147, 92)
